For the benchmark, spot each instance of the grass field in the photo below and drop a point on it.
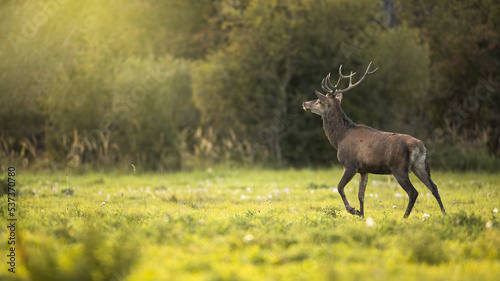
(249, 225)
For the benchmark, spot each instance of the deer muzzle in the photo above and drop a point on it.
(305, 106)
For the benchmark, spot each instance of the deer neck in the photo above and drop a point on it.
(336, 124)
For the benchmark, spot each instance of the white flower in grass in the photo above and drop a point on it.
(489, 224)
(495, 210)
(370, 222)
(426, 216)
(248, 238)
(243, 196)
(103, 203)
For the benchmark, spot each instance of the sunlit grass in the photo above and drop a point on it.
(252, 225)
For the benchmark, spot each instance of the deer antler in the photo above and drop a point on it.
(331, 89)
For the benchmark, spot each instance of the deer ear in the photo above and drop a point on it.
(339, 97)
(322, 97)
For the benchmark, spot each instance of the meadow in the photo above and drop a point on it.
(249, 224)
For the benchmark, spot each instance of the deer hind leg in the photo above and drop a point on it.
(422, 171)
(363, 180)
(405, 183)
(346, 178)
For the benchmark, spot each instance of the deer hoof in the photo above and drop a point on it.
(351, 210)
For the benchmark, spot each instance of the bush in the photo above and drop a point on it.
(462, 157)
(426, 247)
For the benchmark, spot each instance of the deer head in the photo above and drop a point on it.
(324, 103)
(320, 106)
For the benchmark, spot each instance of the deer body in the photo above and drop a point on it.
(370, 151)
(362, 149)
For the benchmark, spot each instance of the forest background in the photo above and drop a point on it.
(171, 85)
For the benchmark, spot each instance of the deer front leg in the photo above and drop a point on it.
(363, 180)
(346, 178)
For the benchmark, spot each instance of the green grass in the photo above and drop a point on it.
(250, 225)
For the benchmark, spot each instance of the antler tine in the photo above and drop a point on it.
(350, 78)
(342, 76)
(324, 84)
(367, 72)
(329, 82)
(368, 68)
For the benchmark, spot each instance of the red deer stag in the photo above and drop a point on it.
(364, 150)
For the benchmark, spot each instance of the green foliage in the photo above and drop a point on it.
(4, 187)
(402, 81)
(250, 225)
(189, 28)
(88, 89)
(167, 85)
(465, 43)
(97, 256)
(464, 157)
(151, 108)
(427, 248)
(273, 58)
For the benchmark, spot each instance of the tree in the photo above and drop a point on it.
(70, 72)
(276, 54)
(464, 39)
